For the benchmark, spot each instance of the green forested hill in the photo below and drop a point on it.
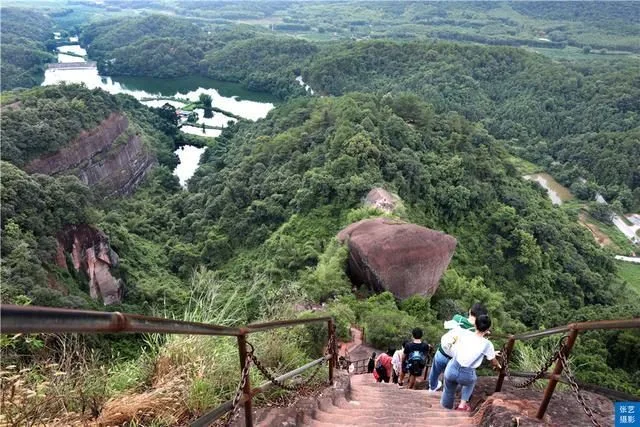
(435, 122)
(36, 207)
(23, 35)
(524, 98)
(266, 204)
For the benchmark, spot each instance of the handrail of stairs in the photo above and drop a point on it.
(573, 329)
(32, 319)
(612, 394)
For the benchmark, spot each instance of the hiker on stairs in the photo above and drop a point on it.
(469, 351)
(397, 363)
(415, 357)
(384, 366)
(371, 365)
(444, 353)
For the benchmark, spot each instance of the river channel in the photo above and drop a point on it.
(155, 92)
(557, 192)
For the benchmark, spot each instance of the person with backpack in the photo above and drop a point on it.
(415, 357)
(469, 351)
(372, 363)
(444, 353)
(384, 366)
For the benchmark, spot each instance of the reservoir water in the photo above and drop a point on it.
(557, 192)
(189, 158)
(156, 92)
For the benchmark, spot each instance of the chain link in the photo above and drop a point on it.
(243, 382)
(576, 390)
(540, 373)
(258, 364)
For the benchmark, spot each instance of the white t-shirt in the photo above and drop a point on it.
(397, 361)
(471, 348)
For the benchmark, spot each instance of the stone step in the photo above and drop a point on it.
(354, 409)
(408, 398)
(381, 404)
(386, 423)
(403, 416)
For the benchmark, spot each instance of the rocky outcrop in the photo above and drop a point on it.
(388, 255)
(518, 407)
(380, 198)
(91, 253)
(109, 158)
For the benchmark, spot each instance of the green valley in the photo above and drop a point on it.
(449, 127)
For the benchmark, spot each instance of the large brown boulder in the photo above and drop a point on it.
(389, 255)
(91, 253)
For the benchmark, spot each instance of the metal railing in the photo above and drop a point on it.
(29, 319)
(573, 330)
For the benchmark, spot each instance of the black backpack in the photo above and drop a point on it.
(382, 371)
(416, 362)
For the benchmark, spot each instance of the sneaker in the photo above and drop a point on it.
(465, 408)
(438, 387)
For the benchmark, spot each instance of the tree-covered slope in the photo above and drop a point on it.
(35, 208)
(24, 54)
(524, 98)
(532, 101)
(172, 47)
(264, 208)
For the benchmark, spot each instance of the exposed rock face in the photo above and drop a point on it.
(381, 199)
(91, 253)
(405, 259)
(518, 407)
(113, 168)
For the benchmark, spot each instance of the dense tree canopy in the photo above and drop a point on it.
(23, 35)
(435, 122)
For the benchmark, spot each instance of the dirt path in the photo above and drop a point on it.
(356, 349)
(602, 239)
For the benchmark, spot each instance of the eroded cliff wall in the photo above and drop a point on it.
(109, 158)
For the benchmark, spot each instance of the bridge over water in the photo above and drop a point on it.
(88, 65)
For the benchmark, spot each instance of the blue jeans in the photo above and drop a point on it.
(439, 363)
(456, 375)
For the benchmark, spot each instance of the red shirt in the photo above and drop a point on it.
(385, 360)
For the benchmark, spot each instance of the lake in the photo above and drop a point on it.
(154, 92)
(557, 192)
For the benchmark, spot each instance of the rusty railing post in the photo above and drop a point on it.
(507, 357)
(242, 350)
(332, 349)
(548, 392)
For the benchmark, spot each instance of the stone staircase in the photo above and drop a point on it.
(377, 404)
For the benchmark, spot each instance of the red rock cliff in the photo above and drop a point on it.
(91, 253)
(94, 157)
(389, 255)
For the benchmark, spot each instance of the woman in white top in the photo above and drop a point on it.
(397, 363)
(469, 351)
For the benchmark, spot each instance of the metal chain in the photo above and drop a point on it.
(281, 384)
(243, 381)
(576, 390)
(543, 369)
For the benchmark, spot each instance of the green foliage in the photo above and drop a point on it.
(261, 64)
(629, 272)
(34, 208)
(24, 53)
(329, 278)
(601, 212)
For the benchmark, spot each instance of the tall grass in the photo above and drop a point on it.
(175, 378)
(194, 373)
(530, 359)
